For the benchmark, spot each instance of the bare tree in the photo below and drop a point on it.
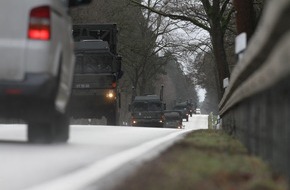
(179, 87)
(208, 79)
(212, 16)
(150, 48)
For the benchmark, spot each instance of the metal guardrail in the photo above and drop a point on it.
(256, 104)
(270, 33)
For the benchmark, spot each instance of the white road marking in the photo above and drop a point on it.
(88, 175)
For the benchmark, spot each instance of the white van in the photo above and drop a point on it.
(36, 65)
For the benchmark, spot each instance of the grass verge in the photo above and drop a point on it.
(207, 160)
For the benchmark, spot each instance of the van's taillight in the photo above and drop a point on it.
(39, 23)
(13, 91)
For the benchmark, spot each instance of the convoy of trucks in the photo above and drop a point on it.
(95, 88)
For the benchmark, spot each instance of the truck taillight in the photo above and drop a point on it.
(39, 23)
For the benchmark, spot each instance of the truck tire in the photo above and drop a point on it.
(113, 117)
(111, 120)
(54, 130)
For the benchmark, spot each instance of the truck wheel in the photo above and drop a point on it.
(49, 131)
(113, 118)
(111, 121)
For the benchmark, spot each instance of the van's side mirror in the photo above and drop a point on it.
(74, 3)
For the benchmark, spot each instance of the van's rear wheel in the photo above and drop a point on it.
(53, 129)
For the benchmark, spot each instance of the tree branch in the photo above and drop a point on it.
(173, 16)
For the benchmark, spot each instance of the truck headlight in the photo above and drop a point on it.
(110, 95)
(133, 121)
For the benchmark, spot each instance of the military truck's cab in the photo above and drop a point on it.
(95, 92)
(183, 108)
(148, 111)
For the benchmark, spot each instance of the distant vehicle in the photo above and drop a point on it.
(183, 108)
(190, 105)
(197, 111)
(173, 119)
(36, 65)
(190, 108)
(95, 89)
(148, 111)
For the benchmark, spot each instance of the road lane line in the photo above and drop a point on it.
(84, 177)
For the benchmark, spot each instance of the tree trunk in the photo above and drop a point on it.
(143, 85)
(217, 39)
(245, 17)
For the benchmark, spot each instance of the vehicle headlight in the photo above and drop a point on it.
(110, 95)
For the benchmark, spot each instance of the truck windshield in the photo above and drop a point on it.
(173, 116)
(147, 106)
(92, 63)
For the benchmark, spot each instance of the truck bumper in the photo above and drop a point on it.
(147, 123)
(85, 104)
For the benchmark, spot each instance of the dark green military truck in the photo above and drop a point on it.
(95, 92)
(184, 109)
(148, 110)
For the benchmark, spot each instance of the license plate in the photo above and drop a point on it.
(82, 85)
